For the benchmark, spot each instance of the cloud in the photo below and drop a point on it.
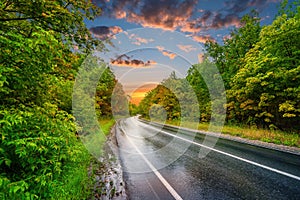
(125, 61)
(105, 32)
(184, 15)
(221, 22)
(238, 6)
(186, 48)
(191, 27)
(209, 20)
(139, 40)
(169, 54)
(203, 38)
(166, 53)
(166, 14)
(120, 14)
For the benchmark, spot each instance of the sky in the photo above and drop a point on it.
(151, 38)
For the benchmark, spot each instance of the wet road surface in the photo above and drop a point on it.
(165, 164)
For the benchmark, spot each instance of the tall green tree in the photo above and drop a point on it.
(266, 90)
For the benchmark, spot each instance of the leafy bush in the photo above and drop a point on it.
(37, 144)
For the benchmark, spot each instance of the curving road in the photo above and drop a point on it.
(162, 163)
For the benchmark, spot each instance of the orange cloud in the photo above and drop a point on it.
(191, 27)
(115, 29)
(203, 38)
(120, 14)
(186, 48)
(169, 54)
(172, 15)
(166, 53)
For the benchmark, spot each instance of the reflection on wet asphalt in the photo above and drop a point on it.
(216, 176)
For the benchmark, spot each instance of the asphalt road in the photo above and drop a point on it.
(162, 163)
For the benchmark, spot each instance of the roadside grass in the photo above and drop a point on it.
(106, 125)
(95, 140)
(74, 182)
(77, 181)
(252, 133)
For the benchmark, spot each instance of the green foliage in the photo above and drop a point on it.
(23, 73)
(266, 90)
(39, 151)
(133, 109)
(173, 98)
(119, 102)
(61, 16)
(198, 83)
(37, 143)
(260, 69)
(104, 90)
(163, 96)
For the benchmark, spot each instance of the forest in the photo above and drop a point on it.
(260, 69)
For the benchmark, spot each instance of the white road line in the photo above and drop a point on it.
(228, 154)
(159, 176)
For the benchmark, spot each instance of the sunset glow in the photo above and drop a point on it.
(138, 94)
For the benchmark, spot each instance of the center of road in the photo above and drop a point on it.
(155, 171)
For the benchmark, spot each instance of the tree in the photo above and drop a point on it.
(173, 96)
(60, 16)
(229, 57)
(266, 90)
